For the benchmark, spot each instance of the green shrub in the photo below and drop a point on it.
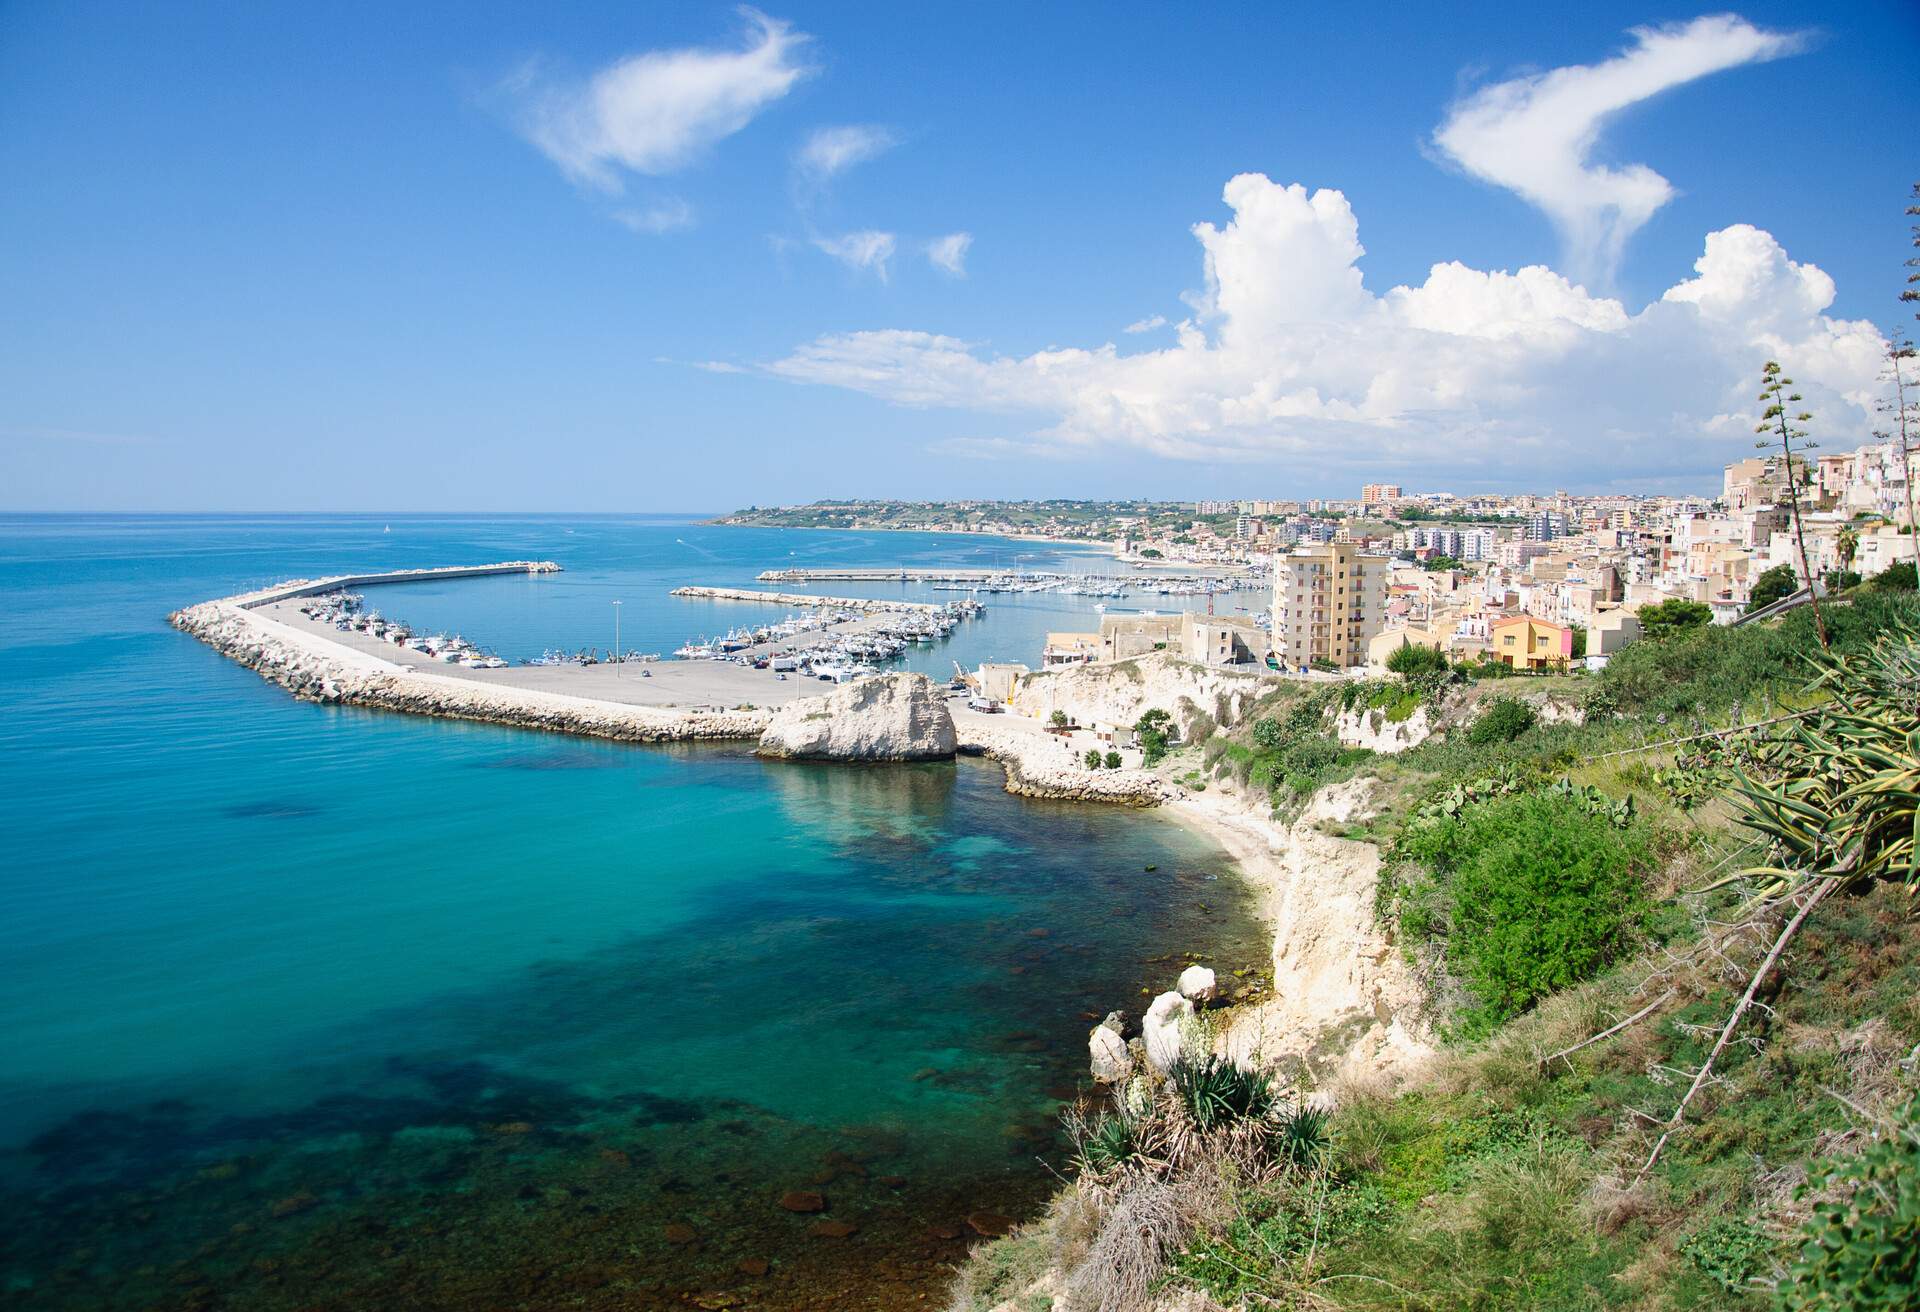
(1530, 893)
(1408, 659)
(1674, 616)
(1151, 728)
(1862, 1250)
(1728, 1251)
(1771, 586)
(1503, 721)
(1106, 1142)
(1894, 578)
(1092, 758)
(1113, 760)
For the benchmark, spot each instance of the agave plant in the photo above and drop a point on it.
(1301, 1137)
(1106, 1142)
(1219, 1092)
(1837, 794)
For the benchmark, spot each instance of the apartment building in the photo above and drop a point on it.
(1375, 494)
(1329, 601)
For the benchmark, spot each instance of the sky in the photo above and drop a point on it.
(647, 258)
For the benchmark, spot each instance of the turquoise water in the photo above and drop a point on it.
(314, 1006)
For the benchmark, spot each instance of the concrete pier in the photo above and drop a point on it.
(866, 605)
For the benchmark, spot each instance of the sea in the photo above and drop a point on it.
(308, 1007)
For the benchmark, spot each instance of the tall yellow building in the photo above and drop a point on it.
(1329, 602)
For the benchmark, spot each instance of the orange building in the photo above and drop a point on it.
(1527, 643)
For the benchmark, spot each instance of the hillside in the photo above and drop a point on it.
(1671, 968)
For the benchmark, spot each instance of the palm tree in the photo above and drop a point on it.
(1775, 419)
(1848, 546)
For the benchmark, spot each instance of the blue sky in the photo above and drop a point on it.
(390, 257)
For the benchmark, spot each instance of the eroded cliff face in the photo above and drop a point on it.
(1123, 691)
(1344, 1002)
(1369, 727)
(891, 717)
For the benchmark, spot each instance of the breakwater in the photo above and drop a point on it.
(892, 575)
(314, 668)
(866, 605)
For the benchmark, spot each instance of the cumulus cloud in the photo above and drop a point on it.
(1535, 135)
(655, 112)
(1510, 377)
(667, 216)
(866, 249)
(1147, 325)
(829, 152)
(950, 252)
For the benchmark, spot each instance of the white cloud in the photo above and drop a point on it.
(1511, 377)
(655, 112)
(668, 216)
(1534, 135)
(950, 252)
(865, 249)
(829, 152)
(1147, 325)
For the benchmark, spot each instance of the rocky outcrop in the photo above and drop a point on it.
(1164, 1030)
(1120, 692)
(1370, 728)
(1344, 1001)
(891, 717)
(314, 669)
(1042, 765)
(1198, 984)
(1108, 1058)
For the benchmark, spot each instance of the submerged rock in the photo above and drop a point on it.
(1164, 1029)
(891, 717)
(804, 1200)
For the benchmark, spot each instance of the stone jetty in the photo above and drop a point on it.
(866, 605)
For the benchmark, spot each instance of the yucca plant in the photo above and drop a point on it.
(1301, 1137)
(1106, 1142)
(1218, 1092)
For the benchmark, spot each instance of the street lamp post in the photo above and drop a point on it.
(617, 662)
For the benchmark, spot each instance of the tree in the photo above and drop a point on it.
(1579, 642)
(1151, 729)
(1847, 544)
(1673, 616)
(1771, 586)
(1092, 758)
(1059, 719)
(1408, 660)
(1442, 562)
(1113, 760)
(1149, 553)
(1776, 420)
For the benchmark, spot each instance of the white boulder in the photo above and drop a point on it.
(1111, 1062)
(890, 717)
(1164, 1029)
(1197, 984)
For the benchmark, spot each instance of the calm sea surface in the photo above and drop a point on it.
(310, 1007)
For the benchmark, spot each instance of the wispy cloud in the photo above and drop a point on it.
(1147, 325)
(950, 252)
(1535, 135)
(866, 249)
(829, 152)
(667, 216)
(657, 111)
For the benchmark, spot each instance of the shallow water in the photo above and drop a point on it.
(320, 1007)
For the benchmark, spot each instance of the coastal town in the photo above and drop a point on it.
(1533, 582)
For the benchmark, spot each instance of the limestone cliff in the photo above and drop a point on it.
(1344, 1001)
(891, 717)
(1122, 691)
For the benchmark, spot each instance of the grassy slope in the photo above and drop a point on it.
(1497, 1182)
